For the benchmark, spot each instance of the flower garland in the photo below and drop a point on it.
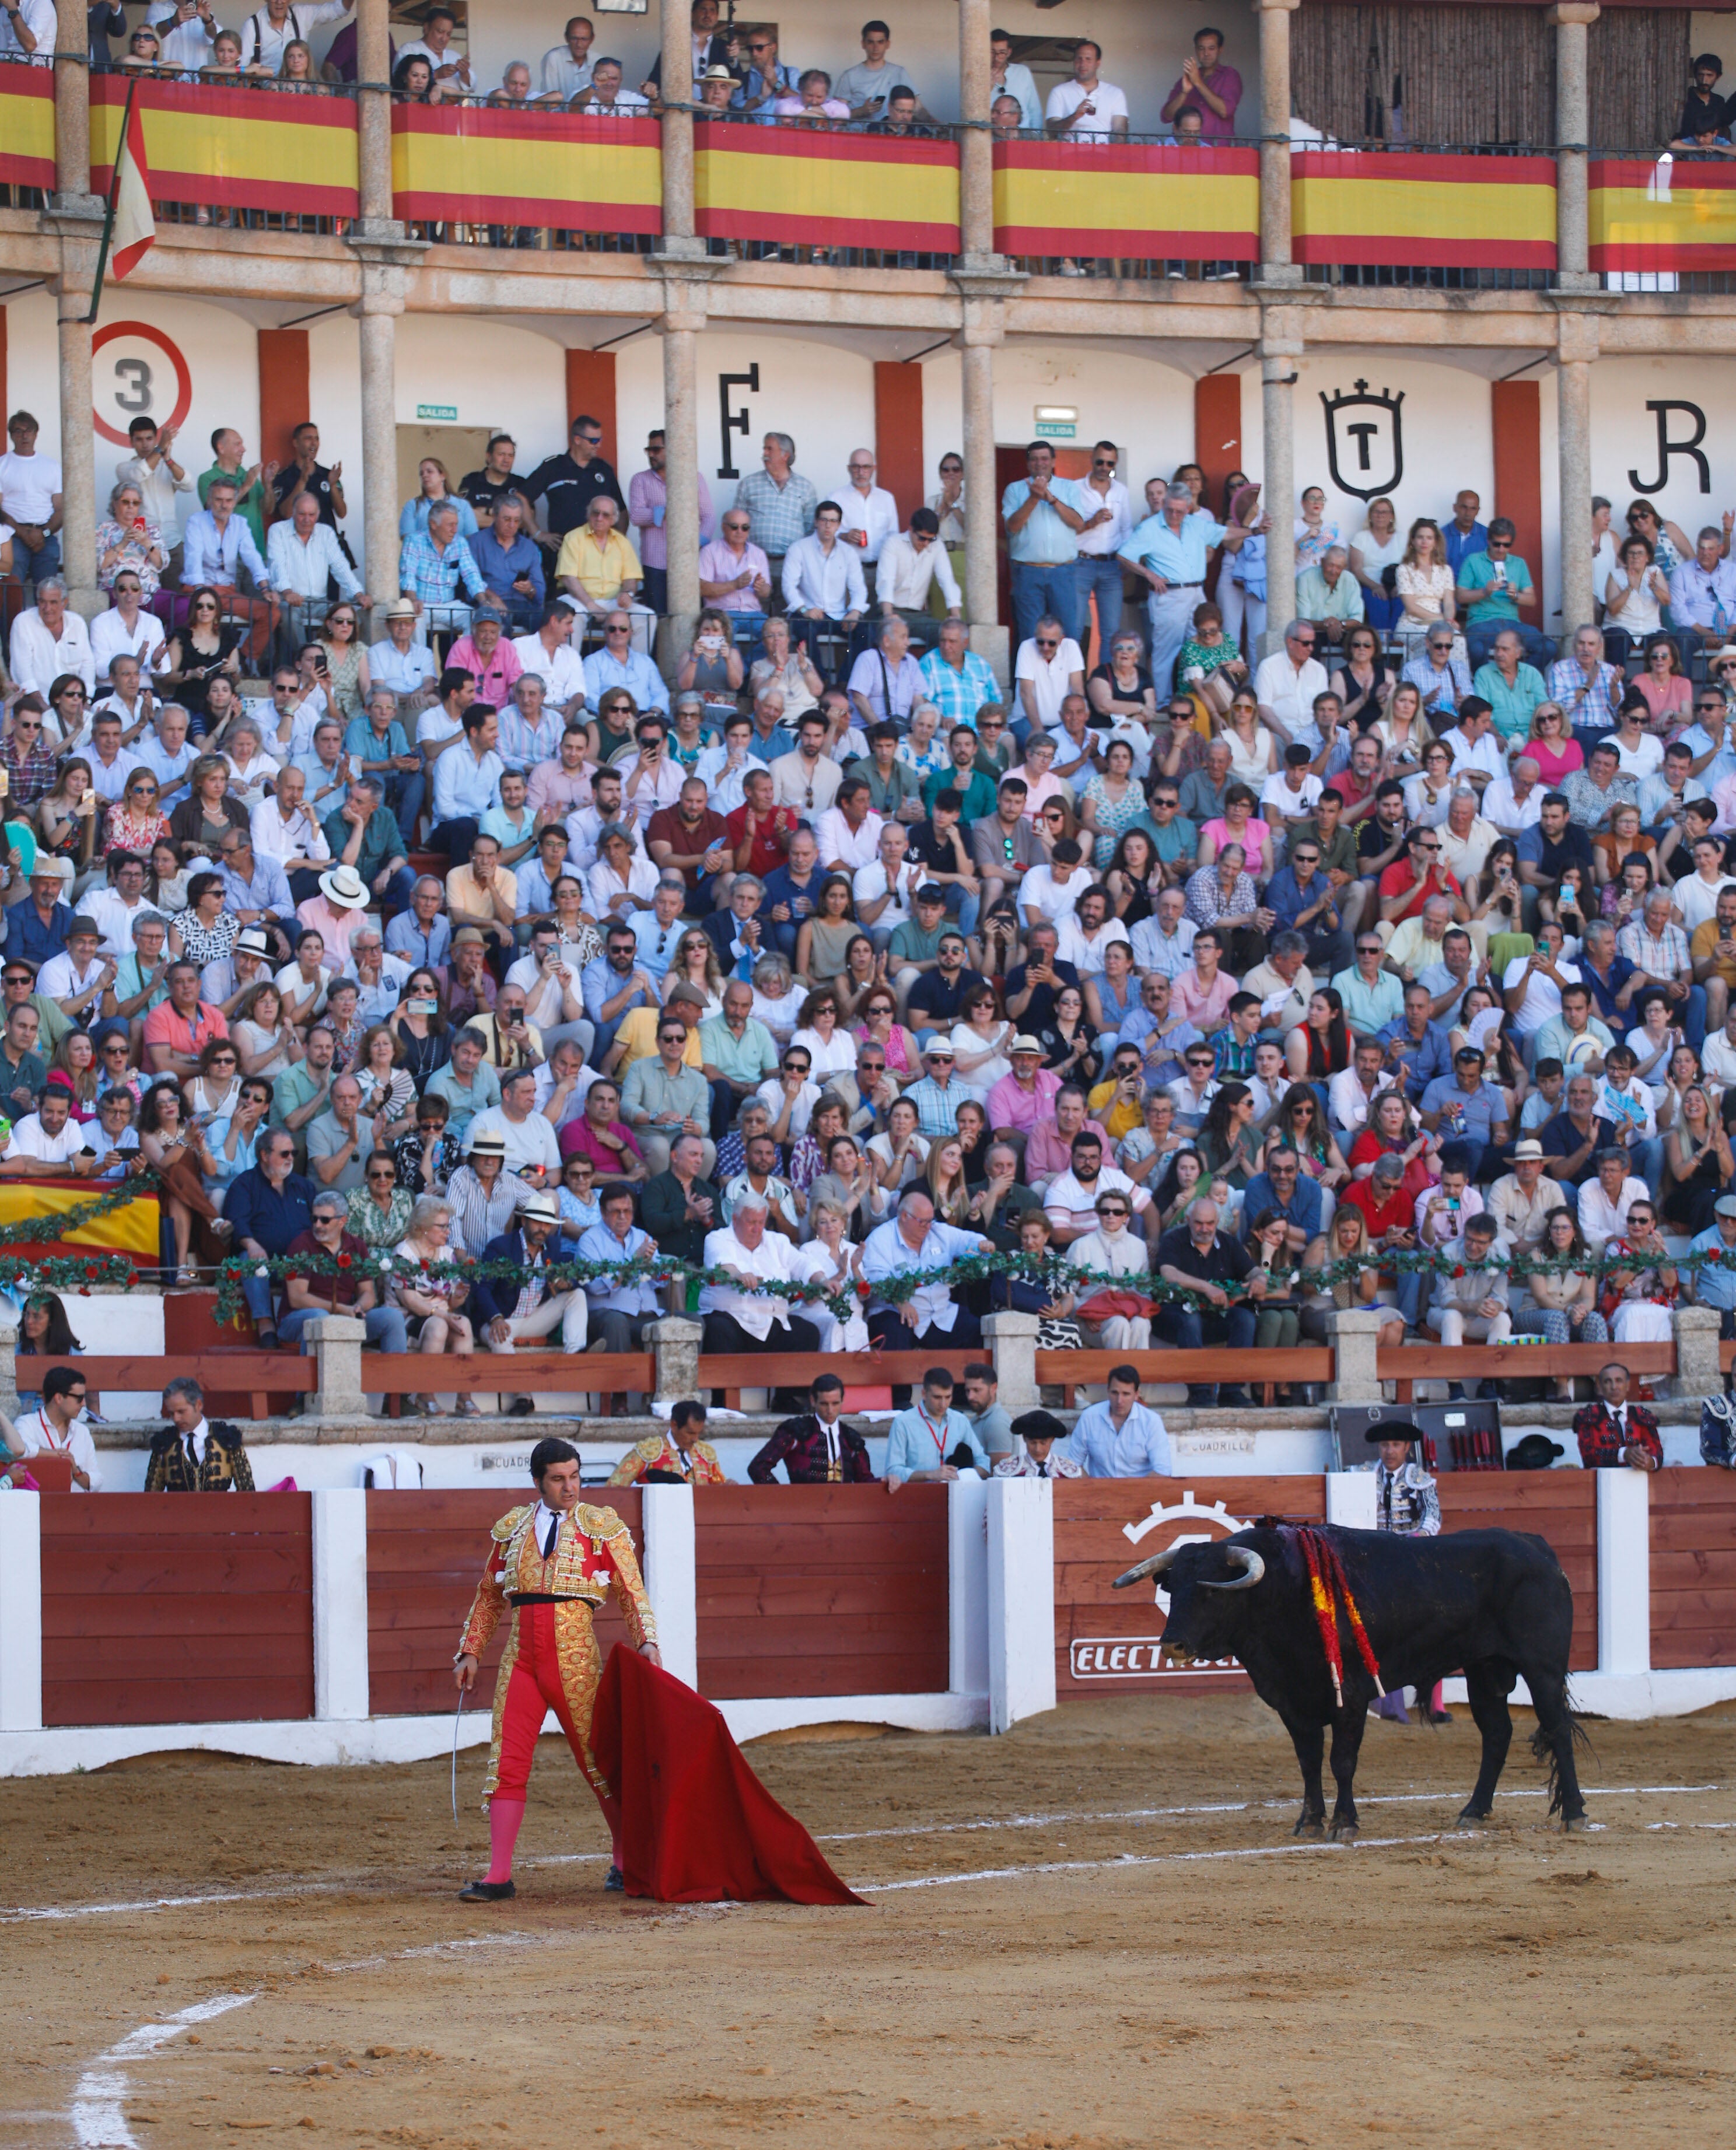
(22, 1275)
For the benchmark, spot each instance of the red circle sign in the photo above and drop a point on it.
(182, 377)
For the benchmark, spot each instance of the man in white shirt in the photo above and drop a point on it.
(27, 26)
(606, 99)
(808, 779)
(30, 483)
(550, 655)
(188, 32)
(741, 1315)
(1051, 892)
(1108, 525)
(113, 911)
(1048, 668)
(48, 638)
(871, 513)
(822, 577)
(567, 67)
(909, 563)
(532, 1149)
(49, 1143)
(885, 681)
(111, 763)
(1289, 679)
(1475, 745)
(1514, 802)
(1086, 105)
(165, 749)
(1531, 985)
(126, 629)
(1605, 1201)
(434, 45)
(58, 1426)
(160, 479)
(302, 554)
(1352, 1094)
(849, 831)
(1289, 794)
(885, 889)
(278, 23)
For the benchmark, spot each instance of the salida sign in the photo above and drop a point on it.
(1186, 1521)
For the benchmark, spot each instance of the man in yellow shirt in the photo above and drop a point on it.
(598, 568)
(636, 1033)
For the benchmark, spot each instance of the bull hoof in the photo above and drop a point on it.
(1311, 1825)
(1573, 1824)
(1472, 1817)
(1343, 1832)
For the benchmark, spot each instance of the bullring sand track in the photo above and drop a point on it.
(1097, 1931)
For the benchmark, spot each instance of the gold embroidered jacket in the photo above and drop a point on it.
(595, 1550)
(657, 1451)
(172, 1468)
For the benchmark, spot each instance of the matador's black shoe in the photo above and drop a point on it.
(487, 1892)
(615, 1880)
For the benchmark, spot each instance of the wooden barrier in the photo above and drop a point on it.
(1406, 1364)
(171, 1612)
(1693, 1568)
(1105, 1639)
(821, 1590)
(1560, 1506)
(261, 1377)
(1072, 1370)
(519, 1373)
(426, 1552)
(734, 1371)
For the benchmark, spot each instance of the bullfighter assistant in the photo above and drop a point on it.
(552, 1562)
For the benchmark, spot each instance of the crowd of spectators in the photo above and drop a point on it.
(809, 958)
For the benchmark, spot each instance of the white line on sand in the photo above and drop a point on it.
(97, 2114)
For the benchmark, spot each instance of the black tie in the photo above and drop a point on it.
(1043, 1470)
(554, 1532)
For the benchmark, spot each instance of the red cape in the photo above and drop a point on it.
(697, 1824)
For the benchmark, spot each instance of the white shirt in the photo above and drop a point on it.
(603, 882)
(1696, 900)
(1108, 537)
(811, 785)
(262, 40)
(830, 581)
(1067, 1202)
(1599, 1218)
(29, 483)
(1645, 758)
(158, 487)
(1510, 814)
(114, 918)
(111, 638)
(59, 978)
(1292, 806)
(1483, 756)
(563, 675)
(1085, 954)
(1425, 805)
(1288, 691)
(278, 839)
(904, 574)
(109, 780)
(302, 568)
(662, 789)
(29, 1139)
(1049, 677)
(756, 1311)
(1041, 892)
(1109, 105)
(1154, 950)
(1346, 1102)
(870, 883)
(39, 658)
(840, 845)
(37, 1433)
(529, 1142)
(1542, 999)
(561, 72)
(875, 516)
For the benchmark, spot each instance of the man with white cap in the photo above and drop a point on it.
(336, 912)
(528, 1304)
(1520, 1201)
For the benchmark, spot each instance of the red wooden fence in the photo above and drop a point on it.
(426, 1552)
(1105, 1638)
(166, 1612)
(1559, 1505)
(1693, 1568)
(821, 1590)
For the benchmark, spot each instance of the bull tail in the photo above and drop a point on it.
(1544, 1751)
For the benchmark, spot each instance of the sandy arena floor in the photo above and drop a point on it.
(1096, 1932)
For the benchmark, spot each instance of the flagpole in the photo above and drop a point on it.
(126, 119)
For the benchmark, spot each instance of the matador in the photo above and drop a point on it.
(552, 1562)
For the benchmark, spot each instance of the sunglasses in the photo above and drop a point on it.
(383, 1174)
(591, 440)
(1112, 1209)
(1051, 645)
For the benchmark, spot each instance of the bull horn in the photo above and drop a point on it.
(1155, 1566)
(1252, 1568)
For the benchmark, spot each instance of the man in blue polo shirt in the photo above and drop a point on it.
(1169, 549)
(1044, 515)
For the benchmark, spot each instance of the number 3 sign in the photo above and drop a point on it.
(131, 385)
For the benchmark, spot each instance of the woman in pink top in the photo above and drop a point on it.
(1239, 825)
(1551, 745)
(1669, 694)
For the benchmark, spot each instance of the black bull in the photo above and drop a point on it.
(1493, 1604)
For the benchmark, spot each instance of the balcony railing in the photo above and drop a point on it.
(268, 155)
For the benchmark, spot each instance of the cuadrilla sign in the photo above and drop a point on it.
(1185, 1521)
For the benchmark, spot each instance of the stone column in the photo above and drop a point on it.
(976, 146)
(1698, 1372)
(74, 216)
(1576, 346)
(337, 1341)
(373, 114)
(72, 104)
(1281, 347)
(1573, 21)
(1274, 146)
(8, 1362)
(1354, 1330)
(684, 317)
(1013, 1346)
(376, 312)
(678, 132)
(984, 292)
(675, 1341)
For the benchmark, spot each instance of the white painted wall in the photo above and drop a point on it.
(1624, 436)
(496, 374)
(819, 392)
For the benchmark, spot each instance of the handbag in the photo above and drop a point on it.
(1217, 692)
(1115, 1306)
(1056, 1333)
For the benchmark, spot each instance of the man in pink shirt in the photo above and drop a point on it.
(1049, 1148)
(494, 662)
(648, 500)
(179, 1029)
(1018, 1100)
(1206, 86)
(558, 787)
(734, 575)
(1202, 994)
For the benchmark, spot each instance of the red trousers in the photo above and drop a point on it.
(551, 1662)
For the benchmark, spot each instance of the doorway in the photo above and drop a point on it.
(462, 448)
